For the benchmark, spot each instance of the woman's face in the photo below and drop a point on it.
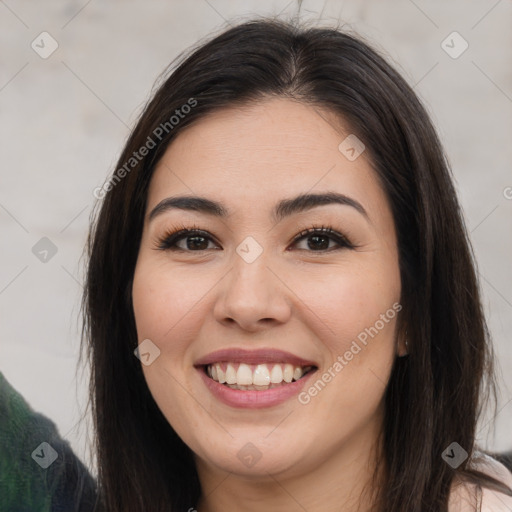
(263, 300)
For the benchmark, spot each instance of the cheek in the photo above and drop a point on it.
(163, 304)
(356, 312)
(347, 302)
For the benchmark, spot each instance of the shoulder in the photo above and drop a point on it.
(464, 496)
(495, 500)
(23, 486)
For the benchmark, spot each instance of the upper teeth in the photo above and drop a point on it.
(258, 375)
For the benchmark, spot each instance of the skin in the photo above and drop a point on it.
(293, 297)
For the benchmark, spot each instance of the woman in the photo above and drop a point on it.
(281, 310)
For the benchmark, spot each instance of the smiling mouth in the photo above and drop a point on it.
(256, 377)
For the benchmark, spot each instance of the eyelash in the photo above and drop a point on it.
(171, 237)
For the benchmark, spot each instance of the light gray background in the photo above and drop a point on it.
(64, 119)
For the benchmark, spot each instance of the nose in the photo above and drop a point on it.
(252, 296)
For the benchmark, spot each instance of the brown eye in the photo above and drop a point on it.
(195, 240)
(318, 239)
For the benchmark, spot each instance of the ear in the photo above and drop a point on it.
(402, 346)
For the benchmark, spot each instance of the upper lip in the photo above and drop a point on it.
(265, 355)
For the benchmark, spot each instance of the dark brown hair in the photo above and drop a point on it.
(435, 394)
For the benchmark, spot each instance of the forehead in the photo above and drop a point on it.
(247, 155)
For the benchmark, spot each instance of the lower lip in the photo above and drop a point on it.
(254, 399)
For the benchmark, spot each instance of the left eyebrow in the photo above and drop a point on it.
(304, 202)
(283, 209)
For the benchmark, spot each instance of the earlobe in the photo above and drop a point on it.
(403, 347)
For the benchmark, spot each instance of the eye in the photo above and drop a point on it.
(319, 239)
(197, 240)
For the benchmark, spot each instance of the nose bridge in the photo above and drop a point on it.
(252, 292)
(251, 277)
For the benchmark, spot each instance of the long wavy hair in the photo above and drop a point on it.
(435, 394)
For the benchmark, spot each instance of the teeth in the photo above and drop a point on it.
(221, 376)
(243, 375)
(231, 375)
(288, 373)
(276, 375)
(261, 375)
(255, 377)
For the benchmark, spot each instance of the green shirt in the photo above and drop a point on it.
(38, 470)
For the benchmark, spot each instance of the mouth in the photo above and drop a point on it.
(256, 377)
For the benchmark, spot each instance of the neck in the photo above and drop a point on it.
(343, 481)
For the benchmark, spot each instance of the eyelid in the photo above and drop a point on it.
(341, 239)
(177, 232)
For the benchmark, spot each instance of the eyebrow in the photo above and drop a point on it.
(284, 208)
